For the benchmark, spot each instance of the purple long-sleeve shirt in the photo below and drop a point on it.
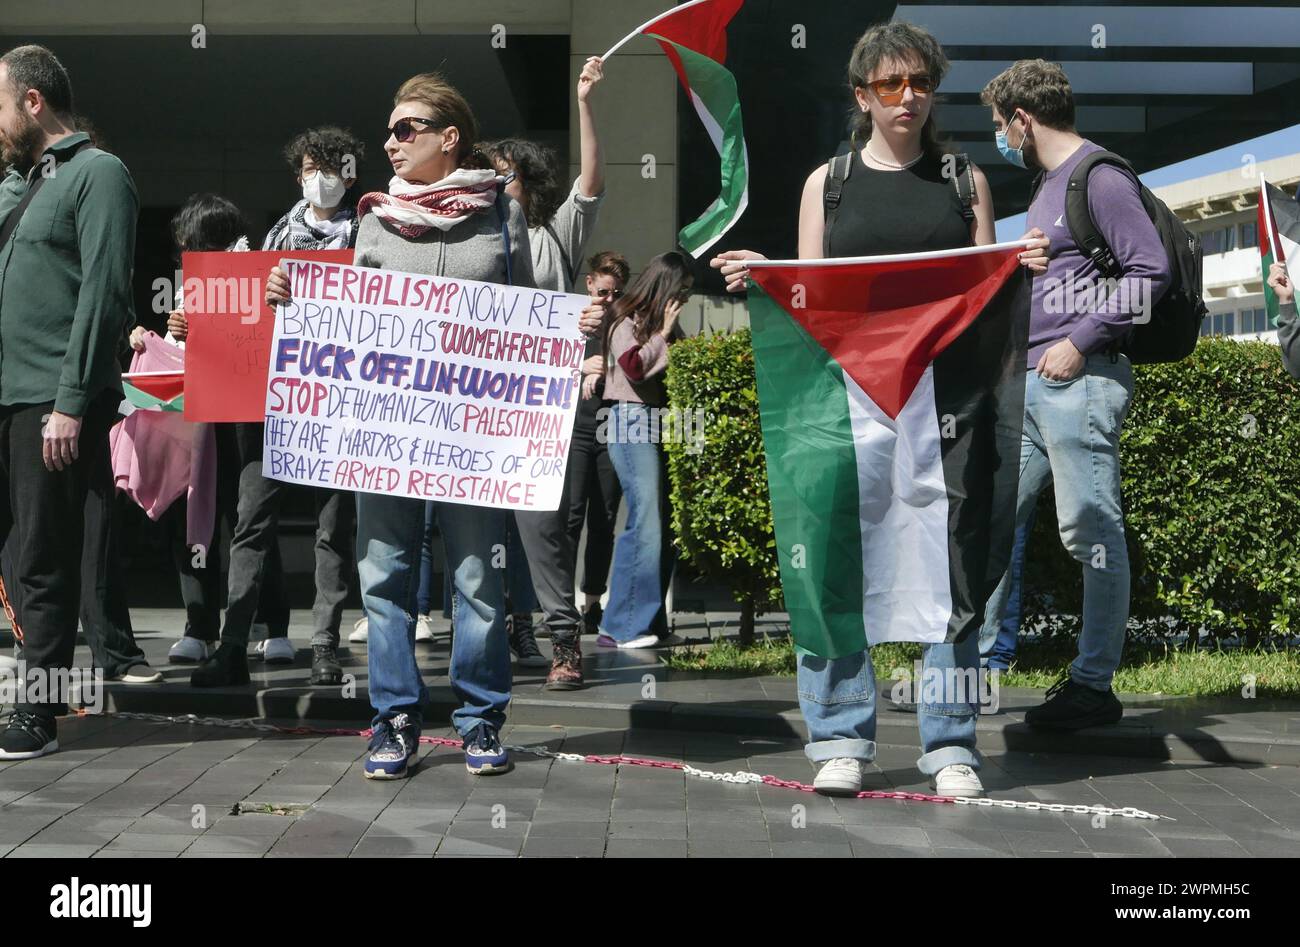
(1072, 299)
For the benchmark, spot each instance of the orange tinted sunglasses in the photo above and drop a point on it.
(890, 89)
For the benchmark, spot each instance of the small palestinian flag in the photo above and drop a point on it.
(694, 37)
(154, 391)
(891, 393)
(1279, 237)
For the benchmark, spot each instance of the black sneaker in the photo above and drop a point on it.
(325, 667)
(28, 736)
(523, 643)
(228, 667)
(1071, 706)
(591, 619)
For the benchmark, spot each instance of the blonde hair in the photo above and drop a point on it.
(448, 107)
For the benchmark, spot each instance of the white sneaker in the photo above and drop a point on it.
(641, 641)
(8, 663)
(360, 633)
(839, 777)
(276, 650)
(423, 628)
(958, 781)
(140, 674)
(189, 651)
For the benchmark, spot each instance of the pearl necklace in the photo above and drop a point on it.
(890, 164)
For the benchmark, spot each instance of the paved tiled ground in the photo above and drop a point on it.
(1232, 728)
(128, 788)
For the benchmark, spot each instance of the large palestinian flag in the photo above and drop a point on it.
(1279, 238)
(694, 37)
(891, 392)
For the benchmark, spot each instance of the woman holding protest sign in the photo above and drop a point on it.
(445, 214)
(894, 191)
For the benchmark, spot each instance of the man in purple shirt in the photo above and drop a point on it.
(1079, 383)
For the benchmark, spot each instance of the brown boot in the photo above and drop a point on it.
(566, 666)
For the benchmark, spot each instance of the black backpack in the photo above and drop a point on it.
(1176, 316)
(841, 166)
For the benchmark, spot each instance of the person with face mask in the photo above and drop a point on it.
(895, 198)
(1079, 382)
(324, 161)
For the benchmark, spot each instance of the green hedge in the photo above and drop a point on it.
(1211, 461)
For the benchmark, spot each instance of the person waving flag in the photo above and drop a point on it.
(694, 37)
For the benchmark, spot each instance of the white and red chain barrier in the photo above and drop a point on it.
(1127, 812)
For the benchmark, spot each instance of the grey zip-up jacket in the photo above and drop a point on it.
(1288, 336)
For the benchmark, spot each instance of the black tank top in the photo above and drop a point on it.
(908, 211)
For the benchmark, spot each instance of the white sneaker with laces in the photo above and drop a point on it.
(958, 781)
(360, 633)
(189, 651)
(276, 650)
(839, 777)
(423, 628)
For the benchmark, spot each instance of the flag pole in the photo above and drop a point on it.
(890, 257)
(650, 22)
(1274, 243)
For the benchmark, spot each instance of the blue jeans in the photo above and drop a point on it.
(390, 531)
(643, 553)
(1000, 638)
(1071, 437)
(837, 697)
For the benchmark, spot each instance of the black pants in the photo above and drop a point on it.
(105, 618)
(254, 552)
(200, 572)
(43, 512)
(593, 497)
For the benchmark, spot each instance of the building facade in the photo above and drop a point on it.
(1223, 209)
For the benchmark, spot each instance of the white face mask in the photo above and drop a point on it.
(324, 190)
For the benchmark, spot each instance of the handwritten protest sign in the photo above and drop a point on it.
(230, 325)
(423, 386)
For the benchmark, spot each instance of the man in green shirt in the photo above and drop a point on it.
(67, 242)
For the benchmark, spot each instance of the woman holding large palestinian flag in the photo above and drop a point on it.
(866, 501)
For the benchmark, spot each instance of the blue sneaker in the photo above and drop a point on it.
(484, 752)
(393, 746)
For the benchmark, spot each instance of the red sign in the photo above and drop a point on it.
(228, 350)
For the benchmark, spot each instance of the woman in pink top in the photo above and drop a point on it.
(639, 329)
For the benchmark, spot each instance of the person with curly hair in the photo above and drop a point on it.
(324, 161)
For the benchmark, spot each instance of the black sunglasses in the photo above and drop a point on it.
(404, 131)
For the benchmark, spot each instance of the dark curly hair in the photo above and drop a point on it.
(328, 146)
(538, 168)
(207, 222)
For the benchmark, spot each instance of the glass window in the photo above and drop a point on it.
(1249, 235)
(1224, 323)
(1219, 240)
(1206, 325)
